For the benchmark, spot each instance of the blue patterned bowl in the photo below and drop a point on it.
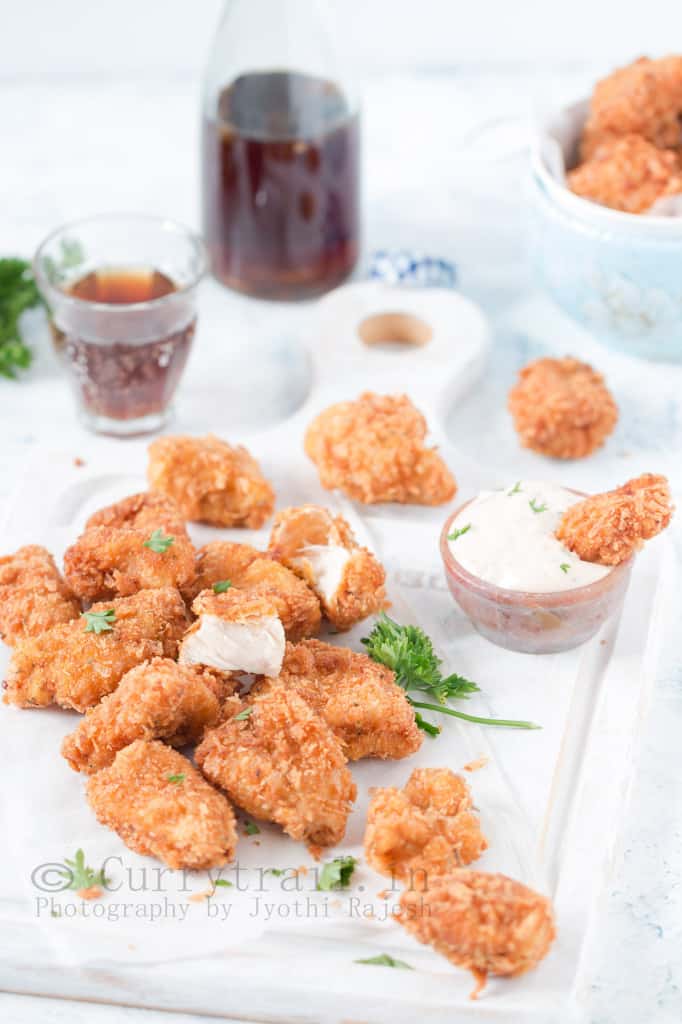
(618, 274)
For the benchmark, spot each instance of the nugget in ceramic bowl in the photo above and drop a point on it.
(627, 174)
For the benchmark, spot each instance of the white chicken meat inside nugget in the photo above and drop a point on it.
(234, 632)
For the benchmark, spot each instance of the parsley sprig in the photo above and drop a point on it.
(385, 960)
(537, 508)
(221, 586)
(100, 622)
(458, 533)
(336, 874)
(18, 292)
(159, 542)
(80, 876)
(408, 651)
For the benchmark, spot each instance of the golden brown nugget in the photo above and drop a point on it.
(608, 528)
(373, 449)
(320, 548)
(253, 572)
(628, 174)
(156, 700)
(424, 830)
(160, 806)
(235, 632)
(644, 98)
(33, 595)
(358, 699)
(282, 763)
(562, 408)
(212, 481)
(147, 511)
(108, 562)
(74, 667)
(486, 923)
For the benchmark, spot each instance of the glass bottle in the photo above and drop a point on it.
(280, 153)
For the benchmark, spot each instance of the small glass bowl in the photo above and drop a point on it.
(528, 622)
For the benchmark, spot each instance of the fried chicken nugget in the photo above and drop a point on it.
(644, 98)
(282, 763)
(147, 511)
(156, 700)
(562, 408)
(424, 830)
(253, 572)
(111, 561)
(627, 174)
(358, 699)
(160, 806)
(235, 632)
(33, 595)
(75, 667)
(608, 528)
(486, 923)
(373, 449)
(322, 550)
(211, 481)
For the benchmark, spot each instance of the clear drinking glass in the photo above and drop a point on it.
(121, 293)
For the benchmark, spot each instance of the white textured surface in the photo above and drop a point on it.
(71, 147)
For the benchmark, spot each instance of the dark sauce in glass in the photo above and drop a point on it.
(281, 185)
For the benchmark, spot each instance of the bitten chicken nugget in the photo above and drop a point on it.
(608, 528)
(33, 595)
(111, 561)
(156, 700)
(373, 449)
(562, 408)
(321, 549)
(211, 481)
(160, 806)
(235, 632)
(359, 699)
(486, 923)
(79, 662)
(144, 511)
(644, 98)
(279, 761)
(628, 174)
(253, 572)
(424, 830)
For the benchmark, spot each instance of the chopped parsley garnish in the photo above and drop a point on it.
(80, 876)
(408, 651)
(516, 489)
(458, 533)
(336, 874)
(251, 828)
(159, 542)
(177, 779)
(99, 622)
(223, 883)
(427, 727)
(277, 872)
(384, 960)
(564, 567)
(537, 508)
(221, 586)
(243, 714)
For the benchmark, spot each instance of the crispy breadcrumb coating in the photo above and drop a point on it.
(562, 408)
(144, 511)
(253, 572)
(235, 632)
(108, 561)
(211, 481)
(156, 700)
(373, 449)
(628, 174)
(486, 923)
(160, 806)
(282, 763)
(322, 550)
(424, 830)
(358, 699)
(608, 528)
(75, 668)
(33, 595)
(644, 98)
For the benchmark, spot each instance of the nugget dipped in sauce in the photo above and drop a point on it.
(562, 408)
(373, 449)
(33, 595)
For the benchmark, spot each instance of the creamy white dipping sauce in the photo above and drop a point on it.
(510, 542)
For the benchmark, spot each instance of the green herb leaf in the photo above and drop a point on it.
(243, 714)
(428, 727)
(564, 567)
(458, 533)
(384, 960)
(516, 489)
(251, 828)
(18, 292)
(337, 873)
(277, 872)
(223, 883)
(159, 542)
(177, 779)
(80, 876)
(221, 586)
(99, 622)
(537, 508)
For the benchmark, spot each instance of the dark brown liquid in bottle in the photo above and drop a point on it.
(280, 186)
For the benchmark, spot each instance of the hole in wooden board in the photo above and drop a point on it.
(395, 331)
